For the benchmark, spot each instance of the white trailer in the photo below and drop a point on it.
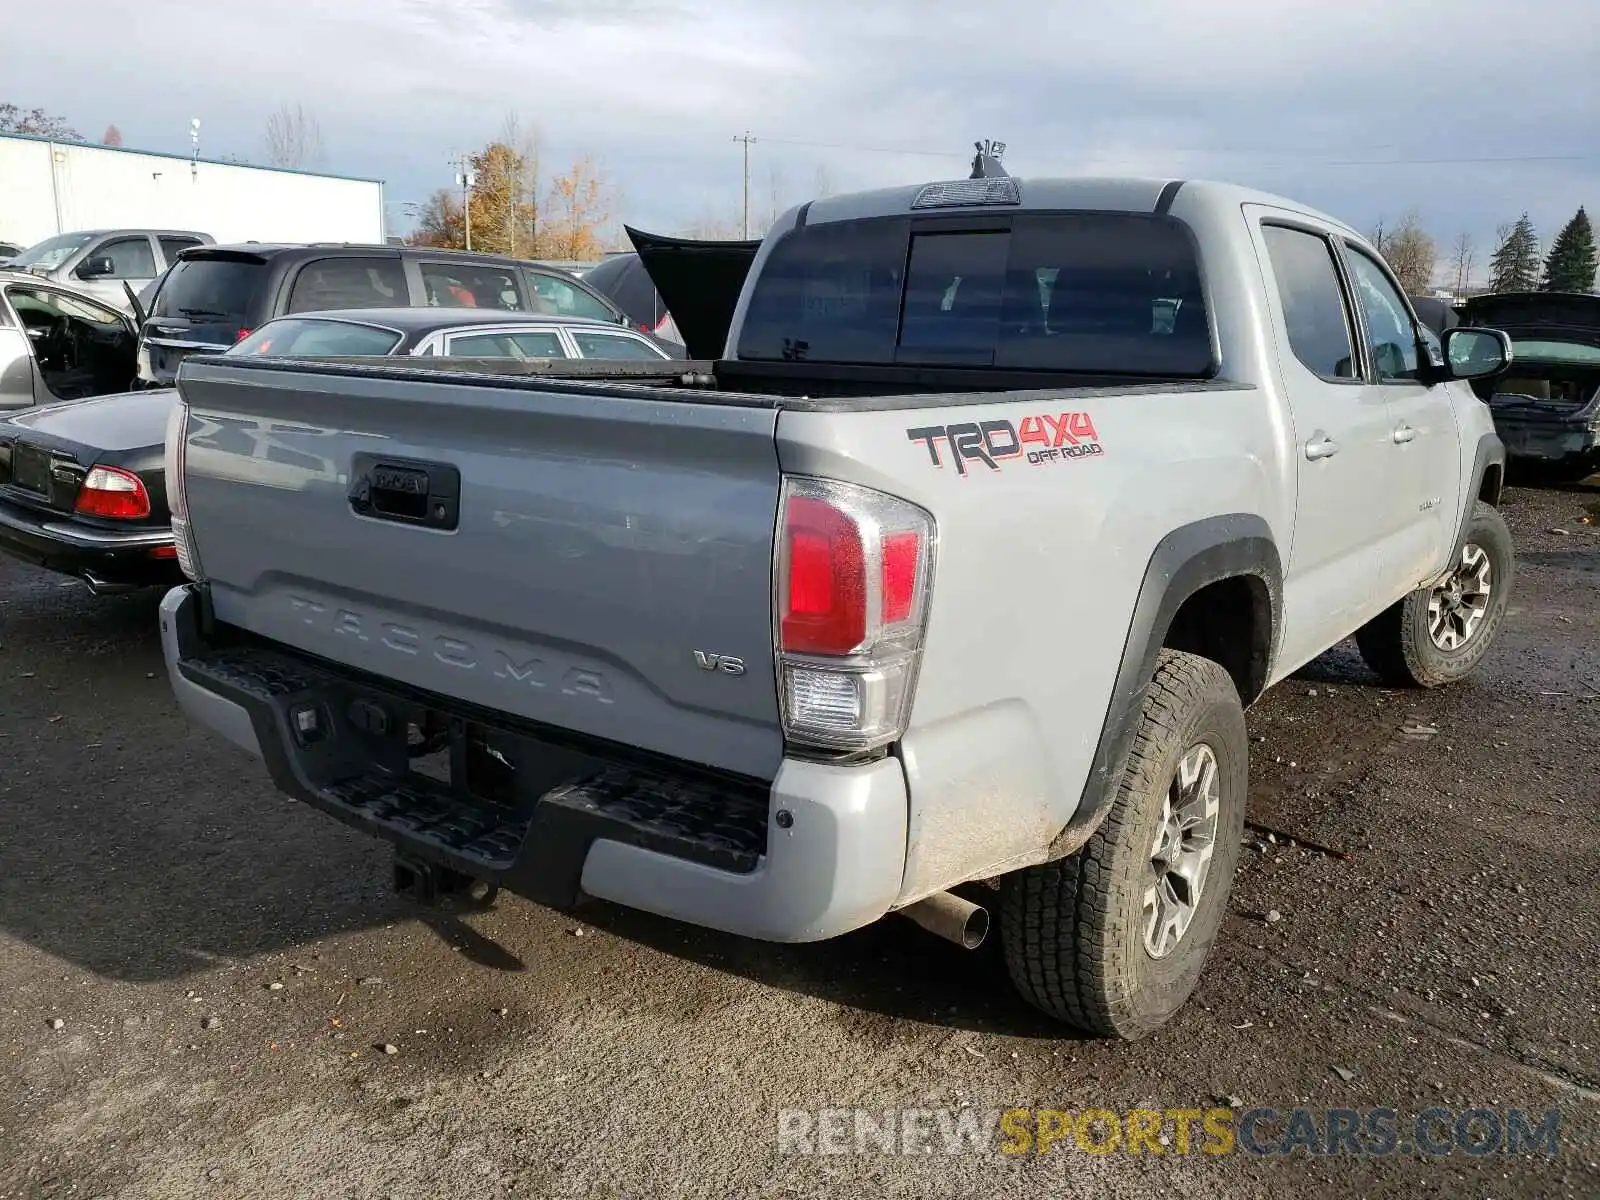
(49, 187)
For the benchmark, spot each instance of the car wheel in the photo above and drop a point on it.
(1438, 635)
(1113, 939)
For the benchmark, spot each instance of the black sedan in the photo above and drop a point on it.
(83, 483)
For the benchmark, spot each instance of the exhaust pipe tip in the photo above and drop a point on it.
(952, 918)
(100, 587)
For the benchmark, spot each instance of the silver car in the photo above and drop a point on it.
(60, 343)
(101, 261)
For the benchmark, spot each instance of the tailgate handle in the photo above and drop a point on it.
(405, 490)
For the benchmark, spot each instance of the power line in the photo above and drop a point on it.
(1159, 151)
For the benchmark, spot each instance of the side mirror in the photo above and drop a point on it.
(1475, 353)
(98, 266)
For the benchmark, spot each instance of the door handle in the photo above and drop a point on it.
(1403, 433)
(1321, 446)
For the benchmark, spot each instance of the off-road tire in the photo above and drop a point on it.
(1395, 643)
(1073, 930)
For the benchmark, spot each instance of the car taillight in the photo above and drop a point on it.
(854, 572)
(112, 492)
(177, 454)
(242, 334)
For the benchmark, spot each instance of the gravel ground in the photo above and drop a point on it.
(227, 968)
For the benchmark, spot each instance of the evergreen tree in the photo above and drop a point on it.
(1571, 265)
(1514, 266)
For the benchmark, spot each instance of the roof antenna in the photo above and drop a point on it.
(986, 163)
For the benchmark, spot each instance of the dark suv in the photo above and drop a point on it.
(215, 295)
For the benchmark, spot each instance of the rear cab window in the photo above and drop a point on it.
(1086, 293)
(349, 281)
(302, 337)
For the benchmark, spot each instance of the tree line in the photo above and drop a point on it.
(1517, 263)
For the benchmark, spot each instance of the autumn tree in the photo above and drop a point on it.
(577, 212)
(16, 119)
(294, 138)
(504, 218)
(441, 223)
(111, 137)
(1514, 266)
(1571, 265)
(1408, 250)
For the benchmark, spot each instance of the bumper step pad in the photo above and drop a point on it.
(690, 819)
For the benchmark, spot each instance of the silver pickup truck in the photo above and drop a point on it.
(958, 567)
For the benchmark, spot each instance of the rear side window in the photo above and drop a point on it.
(469, 285)
(563, 298)
(613, 346)
(1313, 304)
(532, 344)
(301, 337)
(1089, 293)
(170, 246)
(334, 283)
(210, 290)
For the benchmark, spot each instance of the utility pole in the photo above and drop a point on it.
(746, 139)
(468, 179)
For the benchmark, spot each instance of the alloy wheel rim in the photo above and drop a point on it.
(1181, 852)
(1457, 607)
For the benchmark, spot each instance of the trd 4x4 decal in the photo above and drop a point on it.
(1043, 439)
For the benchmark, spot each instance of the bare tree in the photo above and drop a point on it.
(294, 138)
(1462, 255)
(111, 137)
(15, 119)
(526, 142)
(1409, 251)
(822, 182)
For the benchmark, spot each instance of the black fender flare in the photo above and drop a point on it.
(1490, 452)
(1189, 558)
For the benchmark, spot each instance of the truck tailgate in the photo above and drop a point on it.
(605, 556)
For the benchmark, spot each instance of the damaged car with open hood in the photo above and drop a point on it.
(1547, 407)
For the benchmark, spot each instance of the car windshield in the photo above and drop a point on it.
(52, 252)
(303, 337)
(1089, 293)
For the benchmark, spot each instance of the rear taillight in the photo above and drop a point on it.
(177, 491)
(242, 334)
(112, 492)
(854, 571)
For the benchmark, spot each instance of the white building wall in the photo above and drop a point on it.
(55, 187)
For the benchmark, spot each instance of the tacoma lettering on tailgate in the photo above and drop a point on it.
(527, 669)
(1046, 438)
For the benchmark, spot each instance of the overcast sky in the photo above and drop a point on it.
(1363, 110)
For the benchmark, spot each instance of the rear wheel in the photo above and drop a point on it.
(1438, 635)
(1113, 939)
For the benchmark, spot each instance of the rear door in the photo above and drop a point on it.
(1427, 447)
(561, 296)
(589, 545)
(1349, 524)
